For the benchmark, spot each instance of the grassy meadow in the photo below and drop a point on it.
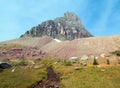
(83, 77)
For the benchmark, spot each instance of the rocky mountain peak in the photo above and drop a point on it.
(68, 27)
(70, 16)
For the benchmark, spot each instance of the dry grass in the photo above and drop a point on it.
(30, 41)
(89, 77)
(21, 78)
(85, 77)
(5, 47)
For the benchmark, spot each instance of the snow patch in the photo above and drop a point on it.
(57, 40)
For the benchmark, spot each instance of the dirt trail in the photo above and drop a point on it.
(52, 80)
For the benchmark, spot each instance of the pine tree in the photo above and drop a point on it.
(108, 61)
(95, 61)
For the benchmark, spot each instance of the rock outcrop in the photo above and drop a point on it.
(22, 53)
(68, 27)
(4, 65)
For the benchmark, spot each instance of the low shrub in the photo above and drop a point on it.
(116, 53)
(95, 62)
(67, 63)
(108, 61)
(22, 63)
(1, 69)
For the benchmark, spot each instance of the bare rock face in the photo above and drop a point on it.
(68, 27)
(24, 52)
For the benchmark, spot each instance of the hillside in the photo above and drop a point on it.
(86, 46)
(65, 49)
(29, 41)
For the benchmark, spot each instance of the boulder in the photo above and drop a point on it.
(84, 57)
(31, 62)
(5, 65)
(78, 68)
(83, 64)
(102, 55)
(13, 70)
(73, 59)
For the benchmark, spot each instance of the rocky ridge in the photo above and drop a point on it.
(68, 27)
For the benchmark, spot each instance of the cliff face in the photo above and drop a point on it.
(68, 27)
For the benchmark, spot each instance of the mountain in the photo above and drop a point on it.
(45, 46)
(45, 40)
(68, 27)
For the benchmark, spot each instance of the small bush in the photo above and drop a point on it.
(95, 62)
(108, 61)
(1, 69)
(116, 53)
(67, 63)
(22, 63)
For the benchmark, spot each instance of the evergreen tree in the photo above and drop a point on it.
(108, 61)
(95, 61)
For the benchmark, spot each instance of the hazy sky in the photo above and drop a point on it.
(100, 17)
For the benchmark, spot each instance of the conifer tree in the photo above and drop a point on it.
(108, 61)
(95, 61)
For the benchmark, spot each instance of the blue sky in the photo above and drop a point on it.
(100, 17)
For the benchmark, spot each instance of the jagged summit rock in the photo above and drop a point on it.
(68, 27)
(71, 16)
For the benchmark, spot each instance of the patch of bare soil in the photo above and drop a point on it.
(52, 80)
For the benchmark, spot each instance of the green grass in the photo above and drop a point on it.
(4, 47)
(90, 77)
(84, 77)
(21, 78)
